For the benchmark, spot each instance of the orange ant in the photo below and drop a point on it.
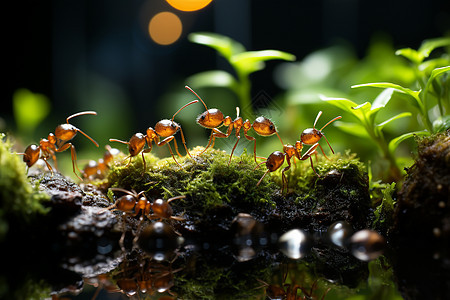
(311, 136)
(138, 202)
(214, 118)
(95, 169)
(165, 129)
(276, 159)
(57, 142)
(290, 291)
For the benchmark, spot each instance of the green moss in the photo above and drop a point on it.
(20, 200)
(207, 180)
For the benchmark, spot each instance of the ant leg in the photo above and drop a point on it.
(184, 142)
(209, 142)
(48, 165)
(323, 152)
(232, 151)
(262, 177)
(176, 147)
(167, 141)
(73, 155)
(143, 160)
(283, 176)
(251, 138)
(176, 198)
(308, 154)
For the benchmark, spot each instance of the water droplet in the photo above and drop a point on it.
(367, 244)
(339, 233)
(295, 243)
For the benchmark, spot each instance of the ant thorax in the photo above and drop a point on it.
(212, 118)
(165, 128)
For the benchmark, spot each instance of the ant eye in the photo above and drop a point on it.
(271, 127)
(202, 117)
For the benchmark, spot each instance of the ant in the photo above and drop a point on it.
(138, 202)
(276, 159)
(213, 119)
(290, 291)
(311, 136)
(165, 129)
(57, 142)
(95, 169)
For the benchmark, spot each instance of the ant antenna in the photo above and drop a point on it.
(317, 118)
(197, 96)
(192, 102)
(80, 131)
(337, 118)
(80, 114)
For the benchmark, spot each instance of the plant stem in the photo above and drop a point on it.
(378, 137)
(244, 94)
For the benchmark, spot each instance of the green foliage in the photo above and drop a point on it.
(367, 128)
(29, 110)
(19, 199)
(243, 62)
(432, 76)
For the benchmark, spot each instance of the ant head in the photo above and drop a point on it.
(212, 118)
(275, 160)
(166, 128)
(66, 132)
(136, 144)
(264, 126)
(31, 155)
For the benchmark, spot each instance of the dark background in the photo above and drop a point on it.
(63, 49)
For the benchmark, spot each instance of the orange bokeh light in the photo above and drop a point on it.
(165, 28)
(188, 5)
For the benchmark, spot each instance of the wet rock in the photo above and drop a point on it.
(421, 232)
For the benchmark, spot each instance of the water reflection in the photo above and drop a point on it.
(253, 263)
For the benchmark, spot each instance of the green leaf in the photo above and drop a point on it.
(251, 61)
(353, 129)
(441, 124)
(393, 144)
(435, 73)
(226, 46)
(29, 109)
(410, 54)
(429, 45)
(399, 88)
(216, 78)
(346, 105)
(424, 51)
(382, 99)
(401, 115)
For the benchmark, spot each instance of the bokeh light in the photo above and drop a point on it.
(188, 5)
(165, 28)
